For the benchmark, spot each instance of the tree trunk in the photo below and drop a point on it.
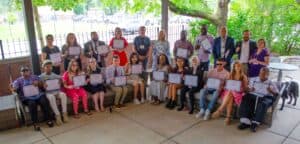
(38, 26)
(222, 13)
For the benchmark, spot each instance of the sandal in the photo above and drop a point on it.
(227, 120)
(88, 113)
(216, 114)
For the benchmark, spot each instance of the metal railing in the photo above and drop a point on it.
(13, 48)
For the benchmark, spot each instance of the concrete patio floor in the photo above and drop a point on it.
(150, 124)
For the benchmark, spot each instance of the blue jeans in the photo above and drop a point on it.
(203, 95)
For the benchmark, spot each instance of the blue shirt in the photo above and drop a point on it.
(142, 45)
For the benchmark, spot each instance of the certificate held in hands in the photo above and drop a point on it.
(260, 89)
(52, 85)
(118, 44)
(174, 78)
(213, 83)
(74, 51)
(102, 50)
(136, 69)
(96, 79)
(181, 52)
(30, 90)
(233, 85)
(120, 81)
(191, 80)
(158, 75)
(206, 44)
(79, 80)
(55, 58)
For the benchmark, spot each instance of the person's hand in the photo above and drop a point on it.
(238, 49)
(35, 83)
(88, 80)
(70, 87)
(45, 85)
(269, 90)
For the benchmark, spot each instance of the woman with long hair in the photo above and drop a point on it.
(119, 44)
(71, 50)
(74, 92)
(160, 46)
(229, 96)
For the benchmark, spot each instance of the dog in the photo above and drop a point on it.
(290, 91)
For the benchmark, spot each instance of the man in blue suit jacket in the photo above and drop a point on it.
(224, 48)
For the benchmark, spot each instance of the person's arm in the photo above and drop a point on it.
(134, 45)
(214, 50)
(168, 52)
(231, 50)
(43, 55)
(191, 49)
(86, 49)
(175, 49)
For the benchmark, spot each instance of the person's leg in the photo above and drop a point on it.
(224, 104)
(102, 100)
(124, 94)
(84, 98)
(215, 96)
(44, 104)
(118, 91)
(228, 111)
(32, 106)
(135, 92)
(63, 99)
(192, 99)
(183, 92)
(75, 101)
(52, 101)
(261, 109)
(142, 90)
(245, 111)
(169, 101)
(202, 102)
(95, 97)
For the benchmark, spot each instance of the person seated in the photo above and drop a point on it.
(117, 71)
(53, 93)
(157, 87)
(255, 104)
(219, 73)
(135, 79)
(29, 89)
(231, 96)
(97, 90)
(196, 70)
(75, 92)
(173, 87)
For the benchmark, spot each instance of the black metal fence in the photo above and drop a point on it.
(13, 48)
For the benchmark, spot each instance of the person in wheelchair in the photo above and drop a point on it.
(29, 88)
(257, 100)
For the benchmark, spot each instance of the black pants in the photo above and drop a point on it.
(204, 65)
(33, 109)
(247, 108)
(191, 92)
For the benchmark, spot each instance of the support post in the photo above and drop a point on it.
(164, 16)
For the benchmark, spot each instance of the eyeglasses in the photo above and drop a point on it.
(219, 64)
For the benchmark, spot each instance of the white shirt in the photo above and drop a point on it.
(268, 83)
(245, 50)
(223, 44)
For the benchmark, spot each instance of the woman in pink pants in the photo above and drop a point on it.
(73, 92)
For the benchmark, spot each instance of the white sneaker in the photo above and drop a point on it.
(207, 115)
(136, 101)
(200, 114)
(142, 100)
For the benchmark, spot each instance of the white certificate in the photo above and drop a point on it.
(55, 58)
(109, 72)
(79, 80)
(96, 79)
(102, 50)
(158, 75)
(74, 51)
(136, 69)
(233, 85)
(30, 90)
(260, 88)
(181, 52)
(213, 83)
(120, 81)
(175, 78)
(118, 44)
(206, 44)
(52, 85)
(191, 80)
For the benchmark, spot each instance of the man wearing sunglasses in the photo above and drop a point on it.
(31, 99)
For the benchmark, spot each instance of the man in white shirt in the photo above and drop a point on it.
(245, 49)
(252, 113)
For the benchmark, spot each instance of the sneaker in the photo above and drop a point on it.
(136, 101)
(206, 115)
(200, 114)
(243, 126)
(142, 100)
(65, 117)
(58, 120)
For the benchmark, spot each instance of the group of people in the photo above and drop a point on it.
(122, 69)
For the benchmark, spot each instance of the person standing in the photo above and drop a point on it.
(161, 46)
(184, 44)
(48, 50)
(119, 44)
(223, 48)
(204, 44)
(245, 49)
(142, 45)
(90, 49)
